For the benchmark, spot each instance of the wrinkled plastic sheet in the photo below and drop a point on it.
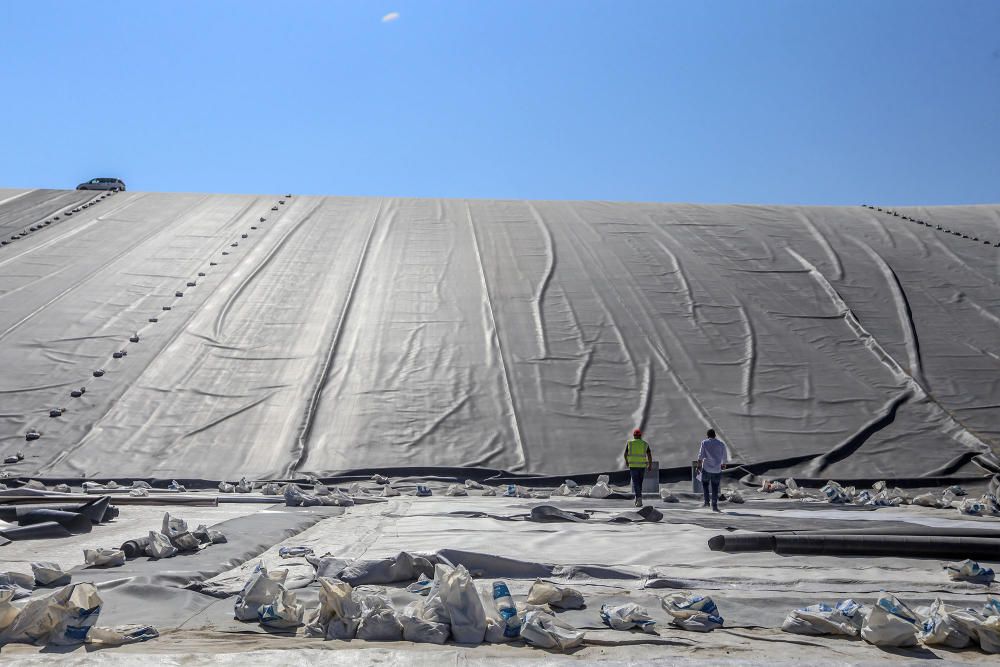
(827, 342)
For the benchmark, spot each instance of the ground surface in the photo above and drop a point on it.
(609, 562)
(526, 336)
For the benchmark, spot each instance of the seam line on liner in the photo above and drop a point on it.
(306, 427)
(17, 196)
(496, 334)
(76, 285)
(74, 232)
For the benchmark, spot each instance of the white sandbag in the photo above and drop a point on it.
(285, 611)
(983, 629)
(176, 531)
(600, 490)
(988, 634)
(564, 490)
(262, 588)
(888, 498)
(416, 628)
(891, 623)
(378, 620)
(929, 499)
(105, 557)
(473, 484)
(389, 492)
(668, 497)
(502, 606)
(226, 487)
(969, 570)
(243, 486)
(992, 607)
(792, 490)
(496, 630)
(63, 618)
(172, 526)
(8, 612)
(49, 574)
(121, 635)
(733, 495)
(338, 614)
(463, 604)
(559, 597)
(139, 484)
(835, 493)
(456, 490)
(186, 542)
(159, 546)
(627, 616)
(544, 630)
(19, 583)
(321, 489)
(772, 486)
(692, 612)
(139, 492)
(489, 491)
(938, 629)
(271, 489)
(822, 619)
(972, 507)
(62, 488)
(209, 535)
(111, 484)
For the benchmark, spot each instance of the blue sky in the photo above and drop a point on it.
(802, 101)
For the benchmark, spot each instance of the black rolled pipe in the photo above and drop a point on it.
(742, 542)
(899, 546)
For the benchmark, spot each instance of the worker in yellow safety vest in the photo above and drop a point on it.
(638, 459)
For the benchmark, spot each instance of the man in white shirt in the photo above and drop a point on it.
(712, 456)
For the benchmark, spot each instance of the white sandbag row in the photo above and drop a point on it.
(881, 495)
(892, 623)
(602, 489)
(453, 608)
(66, 617)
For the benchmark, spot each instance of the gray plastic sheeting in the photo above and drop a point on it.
(524, 336)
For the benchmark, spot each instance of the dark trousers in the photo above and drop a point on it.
(711, 479)
(638, 474)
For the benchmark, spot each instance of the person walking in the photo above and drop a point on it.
(712, 456)
(638, 459)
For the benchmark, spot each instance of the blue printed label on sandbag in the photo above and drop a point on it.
(507, 609)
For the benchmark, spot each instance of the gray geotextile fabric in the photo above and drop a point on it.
(342, 333)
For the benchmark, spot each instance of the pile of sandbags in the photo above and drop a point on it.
(452, 607)
(172, 538)
(892, 623)
(67, 616)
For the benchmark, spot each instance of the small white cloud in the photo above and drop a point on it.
(391, 16)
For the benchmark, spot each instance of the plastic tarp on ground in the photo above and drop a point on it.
(347, 333)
